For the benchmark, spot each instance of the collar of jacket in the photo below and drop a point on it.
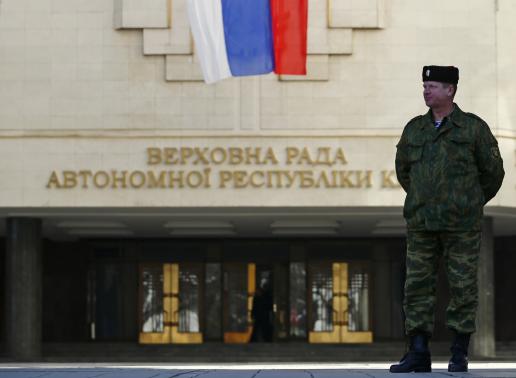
(456, 117)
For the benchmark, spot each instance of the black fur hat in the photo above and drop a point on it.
(443, 74)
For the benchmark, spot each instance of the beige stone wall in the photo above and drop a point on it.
(506, 97)
(104, 79)
(506, 58)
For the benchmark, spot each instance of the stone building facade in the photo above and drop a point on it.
(116, 158)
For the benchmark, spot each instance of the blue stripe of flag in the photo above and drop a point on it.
(248, 35)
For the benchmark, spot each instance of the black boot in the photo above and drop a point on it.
(459, 359)
(417, 359)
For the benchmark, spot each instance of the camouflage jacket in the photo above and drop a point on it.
(449, 173)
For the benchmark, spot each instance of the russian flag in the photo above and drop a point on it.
(249, 37)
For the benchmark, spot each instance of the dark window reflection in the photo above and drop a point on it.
(298, 300)
(91, 301)
(213, 328)
(189, 286)
(358, 312)
(152, 301)
(235, 285)
(321, 292)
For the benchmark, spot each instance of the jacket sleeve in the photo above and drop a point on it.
(489, 163)
(402, 164)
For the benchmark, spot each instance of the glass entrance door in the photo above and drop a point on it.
(170, 303)
(338, 311)
(324, 302)
(239, 289)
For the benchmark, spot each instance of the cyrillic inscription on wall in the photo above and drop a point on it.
(247, 167)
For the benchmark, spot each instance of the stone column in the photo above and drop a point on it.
(483, 341)
(23, 288)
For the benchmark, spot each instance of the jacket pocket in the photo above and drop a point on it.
(460, 158)
(414, 152)
(460, 149)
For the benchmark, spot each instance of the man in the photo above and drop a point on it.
(262, 314)
(449, 164)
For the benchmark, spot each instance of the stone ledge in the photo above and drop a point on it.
(356, 14)
(138, 14)
(176, 39)
(167, 41)
(330, 42)
(317, 69)
(182, 68)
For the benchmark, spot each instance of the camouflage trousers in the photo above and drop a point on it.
(460, 251)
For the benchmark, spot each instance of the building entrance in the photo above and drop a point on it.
(338, 303)
(246, 302)
(170, 303)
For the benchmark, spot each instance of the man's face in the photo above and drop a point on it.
(437, 94)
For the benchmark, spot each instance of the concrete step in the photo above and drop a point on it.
(263, 352)
(227, 353)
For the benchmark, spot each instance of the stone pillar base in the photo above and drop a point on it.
(483, 341)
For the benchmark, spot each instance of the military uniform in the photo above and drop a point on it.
(449, 174)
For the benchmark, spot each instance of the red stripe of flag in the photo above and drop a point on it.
(289, 28)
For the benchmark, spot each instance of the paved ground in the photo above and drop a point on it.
(484, 370)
